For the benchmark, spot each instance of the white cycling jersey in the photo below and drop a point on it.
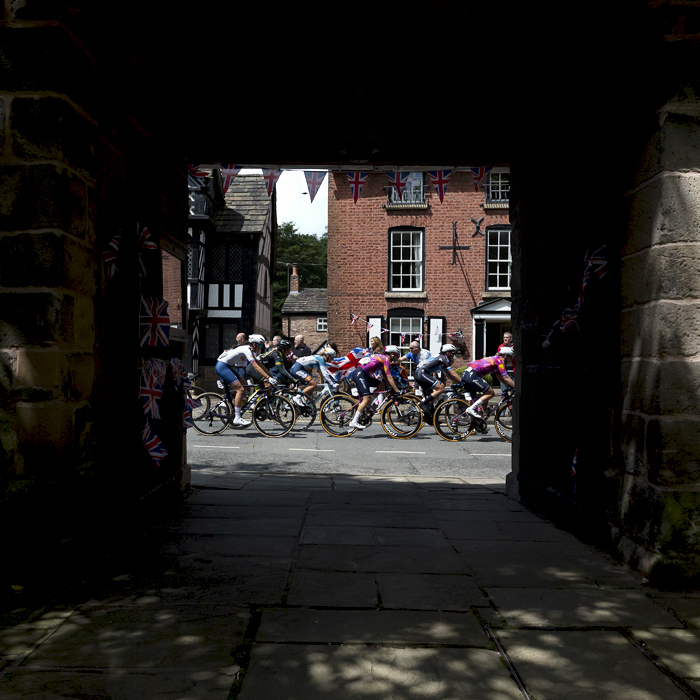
(240, 356)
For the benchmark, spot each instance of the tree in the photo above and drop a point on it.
(310, 253)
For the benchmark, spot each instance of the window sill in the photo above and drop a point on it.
(406, 205)
(496, 205)
(503, 294)
(405, 295)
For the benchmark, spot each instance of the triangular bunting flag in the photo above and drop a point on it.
(479, 174)
(228, 172)
(271, 176)
(357, 181)
(314, 179)
(440, 178)
(399, 180)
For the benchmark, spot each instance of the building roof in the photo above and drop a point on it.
(247, 205)
(307, 301)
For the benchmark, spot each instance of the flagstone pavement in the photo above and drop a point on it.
(336, 587)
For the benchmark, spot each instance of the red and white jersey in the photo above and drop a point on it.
(240, 356)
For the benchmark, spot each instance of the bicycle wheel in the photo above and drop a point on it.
(306, 415)
(336, 412)
(503, 422)
(274, 416)
(452, 422)
(213, 416)
(401, 417)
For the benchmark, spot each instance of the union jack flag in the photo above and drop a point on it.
(188, 423)
(568, 318)
(369, 326)
(314, 180)
(440, 178)
(145, 240)
(153, 444)
(479, 174)
(228, 172)
(154, 322)
(354, 318)
(150, 391)
(158, 368)
(399, 180)
(343, 366)
(194, 170)
(599, 262)
(548, 340)
(110, 256)
(271, 176)
(403, 337)
(357, 182)
(179, 373)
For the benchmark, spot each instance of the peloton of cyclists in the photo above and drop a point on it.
(431, 385)
(301, 369)
(474, 382)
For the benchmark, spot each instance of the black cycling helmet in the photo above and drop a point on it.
(284, 344)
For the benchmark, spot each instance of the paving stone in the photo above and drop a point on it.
(411, 537)
(567, 608)
(271, 499)
(541, 565)
(333, 589)
(429, 591)
(488, 516)
(20, 629)
(225, 526)
(370, 498)
(315, 534)
(413, 560)
(592, 665)
(495, 502)
(240, 512)
(193, 684)
(297, 672)
(371, 627)
(499, 530)
(376, 518)
(684, 606)
(679, 649)
(289, 484)
(145, 637)
(242, 545)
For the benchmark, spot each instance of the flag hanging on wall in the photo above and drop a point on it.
(271, 176)
(357, 181)
(150, 392)
(399, 180)
(153, 444)
(154, 322)
(194, 170)
(440, 178)
(314, 180)
(228, 172)
(479, 174)
(109, 257)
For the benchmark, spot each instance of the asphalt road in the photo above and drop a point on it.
(370, 452)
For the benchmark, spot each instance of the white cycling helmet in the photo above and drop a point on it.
(256, 339)
(328, 351)
(506, 351)
(391, 349)
(448, 347)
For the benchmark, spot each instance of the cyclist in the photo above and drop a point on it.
(473, 378)
(425, 373)
(275, 359)
(397, 371)
(366, 375)
(303, 365)
(231, 366)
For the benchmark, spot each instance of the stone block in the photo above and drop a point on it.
(49, 128)
(668, 272)
(666, 329)
(44, 368)
(660, 388)
(84, 328)
(633, 443)
(667, 210)
(36, 318)
(41, 196)
(45, 435)
(673, 448)
(81, 377)
(8, 367)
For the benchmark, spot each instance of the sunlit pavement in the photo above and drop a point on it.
(335, 586)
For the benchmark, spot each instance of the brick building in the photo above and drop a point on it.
(305, 313)
(410, 264)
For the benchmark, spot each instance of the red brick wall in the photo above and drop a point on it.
(358, 246)
(172, 291)
(304, 325)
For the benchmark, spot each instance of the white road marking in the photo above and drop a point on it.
(399, 452)
(307, 449)
(216, 447)
(488, 454)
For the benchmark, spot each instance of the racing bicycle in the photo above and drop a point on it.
(453, 423)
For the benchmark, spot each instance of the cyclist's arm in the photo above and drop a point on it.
(261, 368)
(456, 379)
(325, 372)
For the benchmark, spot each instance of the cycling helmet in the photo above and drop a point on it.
(448, 347)
(328, 351)
(389, 349)
(284, 344)
(506, 351)
(256, 339)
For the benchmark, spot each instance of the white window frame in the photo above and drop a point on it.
(322, 325)
(499, 254)
(498, 190)
(412, 326)
(413, 192)
(402, 242)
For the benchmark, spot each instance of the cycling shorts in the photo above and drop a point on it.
(363, 382)
(427, 382)
(229, 374)
(254, 374)
(474, 383)
(299, 373)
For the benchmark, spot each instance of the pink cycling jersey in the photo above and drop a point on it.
(376, 362)
(489, 365)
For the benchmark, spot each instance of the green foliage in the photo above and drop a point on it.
(311, 255)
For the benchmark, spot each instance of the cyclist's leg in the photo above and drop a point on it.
(362, 383)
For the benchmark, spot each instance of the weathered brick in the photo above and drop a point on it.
(49, 128)
(661, 330)
(47, 259)
(39, 196)
(39, 318)
(667, 210)
(667, 272)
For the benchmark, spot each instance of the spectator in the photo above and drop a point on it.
(241, 339)
(510, 361)
(300, 349)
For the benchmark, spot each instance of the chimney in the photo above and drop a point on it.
(294, 280)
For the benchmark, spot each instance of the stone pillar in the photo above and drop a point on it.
(659, 509)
